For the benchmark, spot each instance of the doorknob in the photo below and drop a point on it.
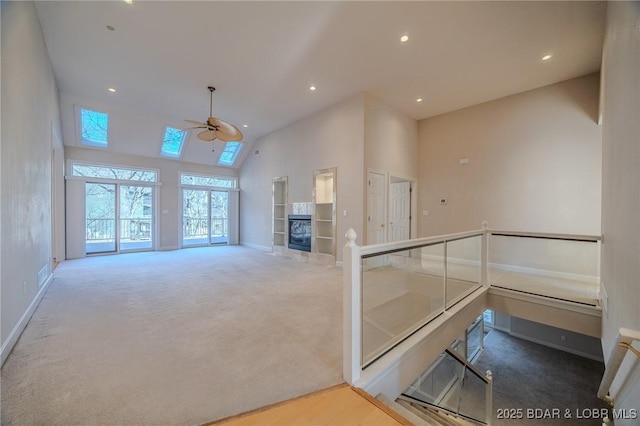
(382, 225)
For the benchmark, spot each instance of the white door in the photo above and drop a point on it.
(376, 209)
(399, 211)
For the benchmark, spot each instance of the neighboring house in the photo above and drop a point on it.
(537, 161)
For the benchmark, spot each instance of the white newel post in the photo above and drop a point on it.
(489, 397)
(352, 314)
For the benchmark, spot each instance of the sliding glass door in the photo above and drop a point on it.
(204, 217)
(100, 217)
(136, 218)
(118, 217)
(219, 217)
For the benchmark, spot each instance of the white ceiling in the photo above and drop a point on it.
(263, 56)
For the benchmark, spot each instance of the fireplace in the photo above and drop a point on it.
(300, 232)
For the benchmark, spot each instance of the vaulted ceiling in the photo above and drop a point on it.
(263, 56)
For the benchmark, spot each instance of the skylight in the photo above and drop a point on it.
(172, 142)
(94, 127)
(230, 153)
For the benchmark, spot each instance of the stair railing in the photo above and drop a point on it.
(456, 394)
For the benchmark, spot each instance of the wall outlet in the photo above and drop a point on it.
(443, 201)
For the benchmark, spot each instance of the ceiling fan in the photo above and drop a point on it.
(215, 128)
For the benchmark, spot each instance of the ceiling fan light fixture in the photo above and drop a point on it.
(215, 128)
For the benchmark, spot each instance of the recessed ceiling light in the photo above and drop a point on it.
(128, 1)
(404, 38)
(312, 88)
(244, 125)
(110, 28)
(547, 57)
(419, 100)
(112, 90)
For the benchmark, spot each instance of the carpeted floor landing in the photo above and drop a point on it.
(530, 381)
(170, 338)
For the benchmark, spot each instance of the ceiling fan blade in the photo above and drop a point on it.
(228, 137)
(197, 123)
(226, 131)
(207, 135)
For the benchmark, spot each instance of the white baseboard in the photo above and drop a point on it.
(13, 337)
(255, 246)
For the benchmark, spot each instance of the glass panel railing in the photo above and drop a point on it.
(552, 266)
(451, 383)
(463, 268)
(475, 338)
(401, 291)
(473, 397)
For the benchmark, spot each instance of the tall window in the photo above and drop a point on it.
(94, 128)
(173, 142)
(119, 207)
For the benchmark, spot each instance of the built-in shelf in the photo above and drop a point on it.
(324, 191)
(280, 189)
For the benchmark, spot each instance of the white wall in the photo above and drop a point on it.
(621, 189)
(390, 147)
(333, 137)
(30, 117)
(534, 163)
(391, 139)
(169, 198)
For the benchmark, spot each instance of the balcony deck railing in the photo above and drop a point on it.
(198, 228)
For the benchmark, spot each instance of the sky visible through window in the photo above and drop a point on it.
(230, 153)
(94, 127)
(172, 142)
(212, 181)
(115, 173)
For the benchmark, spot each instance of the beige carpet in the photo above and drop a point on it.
(182, 337)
